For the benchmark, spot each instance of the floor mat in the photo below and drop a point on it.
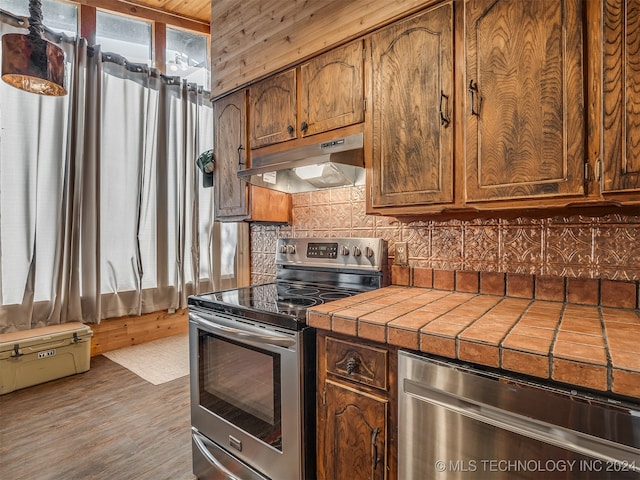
(158, 361)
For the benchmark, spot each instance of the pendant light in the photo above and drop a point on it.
(31, 63)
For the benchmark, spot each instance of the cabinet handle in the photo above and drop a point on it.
(240, 161)
(444, 119)
(374, 443)
(290, 129)
(352, 364)
(304, 126)
(473, 92)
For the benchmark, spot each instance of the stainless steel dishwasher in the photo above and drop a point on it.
(461, 423)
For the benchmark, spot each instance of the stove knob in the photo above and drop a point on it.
(356, 251)
(344, 250)
(291, 249)
(283, 249)
(368, 252)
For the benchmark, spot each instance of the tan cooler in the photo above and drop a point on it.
(39, 355)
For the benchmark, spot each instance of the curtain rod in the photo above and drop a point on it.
(146, 69)
(23, 22)
(15, 20)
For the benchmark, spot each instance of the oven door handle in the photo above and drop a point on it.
(243, 335)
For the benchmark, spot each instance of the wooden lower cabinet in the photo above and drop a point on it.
(357, 409)
(355, 433)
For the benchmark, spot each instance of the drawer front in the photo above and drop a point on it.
(360, 363)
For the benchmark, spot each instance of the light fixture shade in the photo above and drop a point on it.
(33, 64)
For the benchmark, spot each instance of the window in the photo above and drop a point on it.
(148, 228)
(187, 56)
(58, 16)
(128, 141)
(124, 36)
(32, 151)
(229, 245)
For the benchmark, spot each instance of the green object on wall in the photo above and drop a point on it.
(206, 164)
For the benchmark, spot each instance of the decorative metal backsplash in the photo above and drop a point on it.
(579, 246)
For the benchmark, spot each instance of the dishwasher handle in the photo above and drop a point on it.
(559, 436)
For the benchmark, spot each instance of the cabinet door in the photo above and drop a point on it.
(229, 151)
(621, 96)
(525, 108)
(273, 109)
(332, 92)
(355, 435)
(412, 65)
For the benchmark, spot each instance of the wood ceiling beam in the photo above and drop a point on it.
(144, 12)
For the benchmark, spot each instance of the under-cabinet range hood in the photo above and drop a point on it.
(335, 163)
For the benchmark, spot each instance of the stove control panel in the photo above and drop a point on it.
(322, 250)
(356, 253)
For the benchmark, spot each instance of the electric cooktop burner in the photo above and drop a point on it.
(281, 303)
(309, 272)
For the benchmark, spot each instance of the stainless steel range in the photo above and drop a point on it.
(252, 359)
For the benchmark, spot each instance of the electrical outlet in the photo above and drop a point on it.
(402, 254)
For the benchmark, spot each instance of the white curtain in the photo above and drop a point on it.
(102, 209)
(41, 189)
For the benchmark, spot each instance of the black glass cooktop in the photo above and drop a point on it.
(283, 303)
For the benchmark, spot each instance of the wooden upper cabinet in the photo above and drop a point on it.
(412, 106)
(525, 124)
(621, 96)
(273, 109)
(332, 90)
(331, 96)
(235, 199)
(229, 138)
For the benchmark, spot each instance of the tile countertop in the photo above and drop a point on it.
(583, 345)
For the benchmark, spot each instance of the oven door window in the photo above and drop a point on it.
(241, 384)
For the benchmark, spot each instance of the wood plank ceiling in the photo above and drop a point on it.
(193, 9)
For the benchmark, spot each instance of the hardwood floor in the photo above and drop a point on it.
(106, 423)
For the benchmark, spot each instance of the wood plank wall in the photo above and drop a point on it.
(115, 333)
(252, 38)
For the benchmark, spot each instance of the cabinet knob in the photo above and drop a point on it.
(304, 126)
(352, 364)
(290, 129)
